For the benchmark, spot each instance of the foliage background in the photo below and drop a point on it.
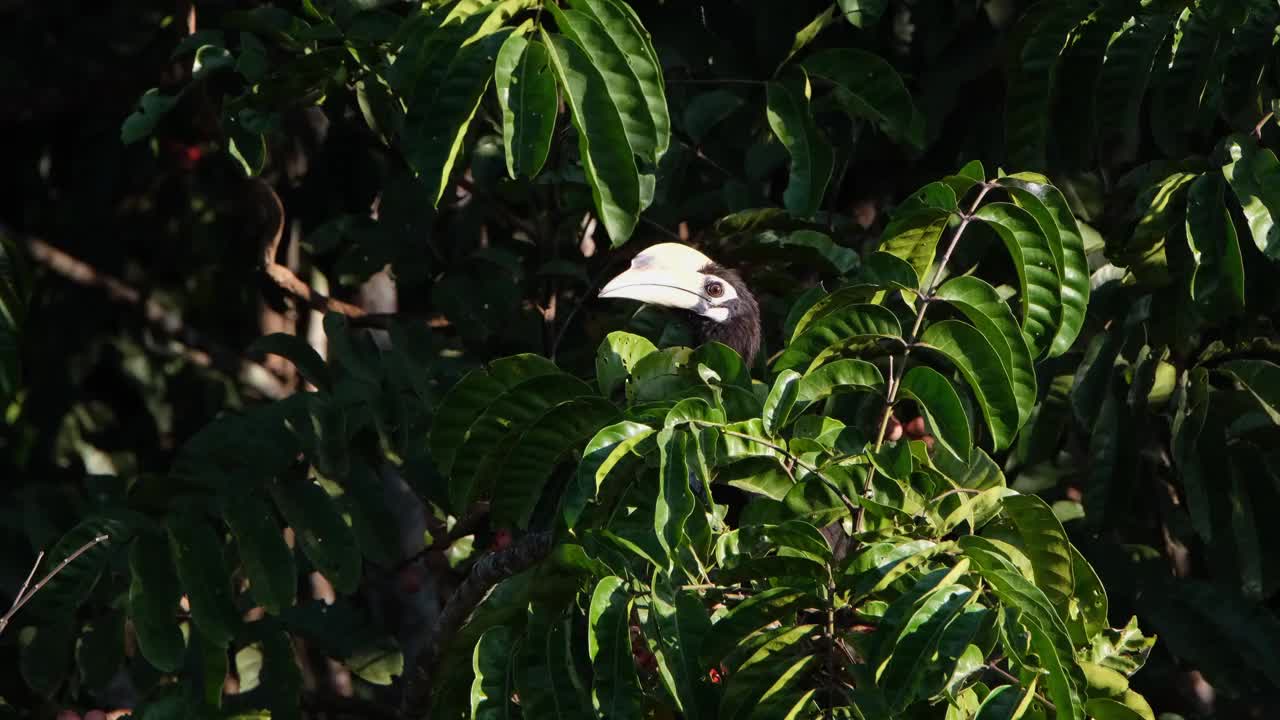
(143, 267)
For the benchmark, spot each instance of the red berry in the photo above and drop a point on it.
(714, 675)
(894, 432)
(501, 539)
(916, 428)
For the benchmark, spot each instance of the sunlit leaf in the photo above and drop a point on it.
(607, 157)
(974, 357)
(811, 156)
(527, 92)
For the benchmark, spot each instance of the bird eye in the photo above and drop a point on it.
(715, 289)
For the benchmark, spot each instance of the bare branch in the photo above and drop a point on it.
(25, 595)
(485, 574)
(199, 350)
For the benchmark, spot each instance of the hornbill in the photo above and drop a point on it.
(677, 276)
(718, 302)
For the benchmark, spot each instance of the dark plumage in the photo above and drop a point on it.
(742, 330)
(677, 276)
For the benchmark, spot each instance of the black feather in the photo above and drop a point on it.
(742, 330)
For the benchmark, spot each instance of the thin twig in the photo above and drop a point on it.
(1014, 679)
(25, 595)
(199, 350)
(923, 300)
(1257, 129)
(853, 509)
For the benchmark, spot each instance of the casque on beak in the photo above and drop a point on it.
(666, 287)
(667, 274)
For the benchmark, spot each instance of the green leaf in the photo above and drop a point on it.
(1037, 273)
(1187, 94)
(530, 461)
(768, 661)
(153, 603)
(66, 591)
(469, 397)
(1122, 84)
(617, 356)
(1031, 84)
(862, 13)
(1007, 702)
(1090, 598)
(900, 677)
(297, 351)
(1124, 650)
(440, 109)
(152, 107)
(807, 34)
(492, 688)
(675, 499)
(1254, 174)
(781, 696)
(1049, 636)
(825, 380)
(1217, 279)
(1260, 379)
(268, 561)
(1108, 709)
(603, 146)
(782, 397)
(682, 624)
(606, 449)
(197, 555)
(973, 355)
(751, 615)
(527, 93)
(321, 532)
(822, 248)
(880, 564)
(867, 87)
(615, 689)
(502, 422)
(982, 305)
(546, 678)
(914, 238)
(1045, 542)
(247, 148)
(1068, 250)
(941, 406)
(704, 112)
(811, 156)
(861, 320)
(628, 60)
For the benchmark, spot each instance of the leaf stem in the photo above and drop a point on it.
(924, 298)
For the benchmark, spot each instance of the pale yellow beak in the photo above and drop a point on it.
(663, 286)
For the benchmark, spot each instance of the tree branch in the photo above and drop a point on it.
(199, 350)
(24, 596)
(924, 298)
(485, 574)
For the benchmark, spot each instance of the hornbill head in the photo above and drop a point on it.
(677, 276)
